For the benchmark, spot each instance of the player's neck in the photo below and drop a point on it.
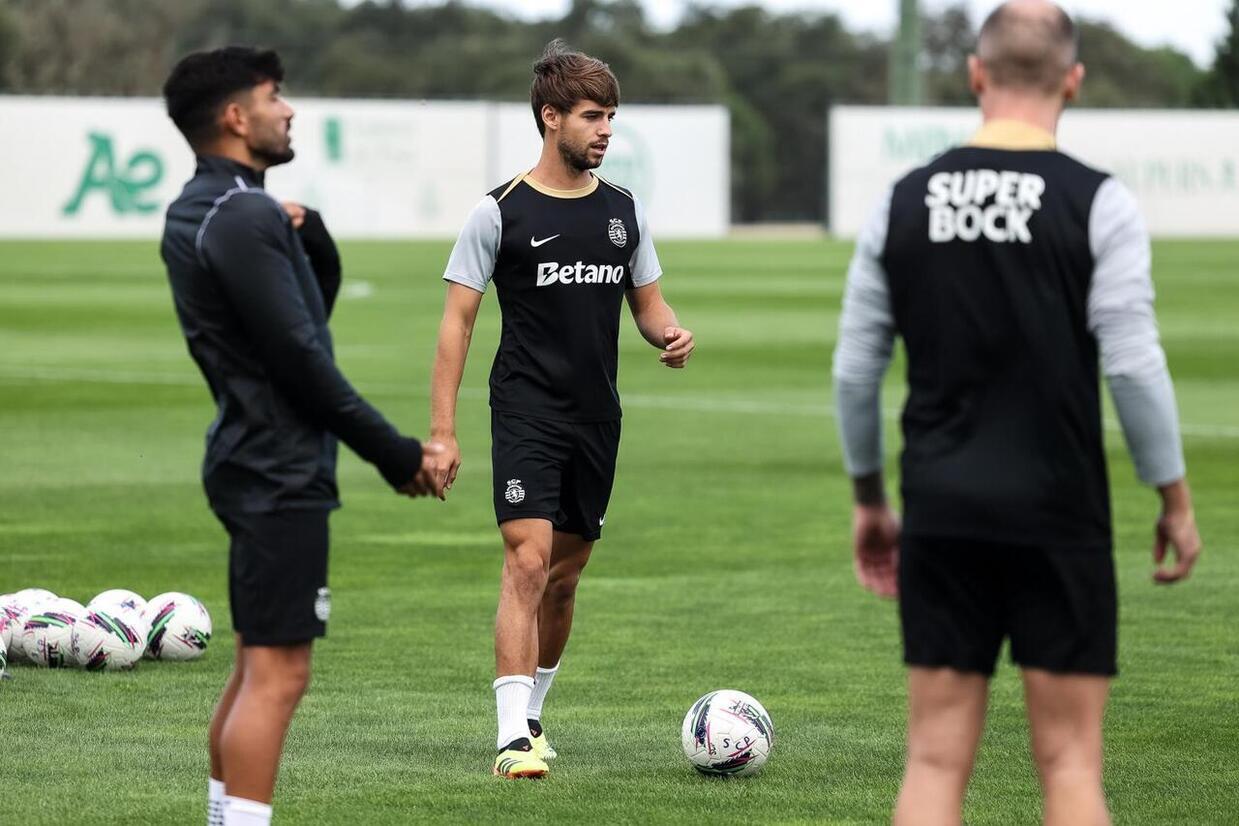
(552, 172)
(238, 152)
(1043, 113)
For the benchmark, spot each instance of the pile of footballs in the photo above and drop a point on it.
(113, 632)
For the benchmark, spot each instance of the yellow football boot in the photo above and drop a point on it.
(514, 763)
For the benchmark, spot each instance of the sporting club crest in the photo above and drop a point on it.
(322, 604)
(617, 232)
(515, 494)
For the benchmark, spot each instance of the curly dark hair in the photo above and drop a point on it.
(202, 82)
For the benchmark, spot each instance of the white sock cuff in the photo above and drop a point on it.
(513, 678)
(215, 802)
(238, 811)
(550, 670)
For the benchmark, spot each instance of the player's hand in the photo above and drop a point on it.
(296, 212)
(1175, 530)
(426, 483)
(875, 543)
(446, 464)
(678, 347)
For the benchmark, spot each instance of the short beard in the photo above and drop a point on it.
(576, 160)
(271, 157)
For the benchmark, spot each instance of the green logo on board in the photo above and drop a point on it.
(125, 186)
(333, 139)
(628, 162)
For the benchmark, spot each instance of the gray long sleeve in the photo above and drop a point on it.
(863, 352)
(1120, 315)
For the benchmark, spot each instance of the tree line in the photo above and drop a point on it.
(776, 73)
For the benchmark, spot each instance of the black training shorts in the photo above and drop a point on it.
(277, 575)
(561, 471)
(960, 598)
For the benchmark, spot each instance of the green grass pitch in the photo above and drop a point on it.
(725, 564)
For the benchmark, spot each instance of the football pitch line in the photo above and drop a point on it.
(634, 400)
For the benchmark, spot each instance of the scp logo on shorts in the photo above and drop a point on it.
(322, 604)
(515, 494)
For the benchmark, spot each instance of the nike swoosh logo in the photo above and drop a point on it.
(534, 242)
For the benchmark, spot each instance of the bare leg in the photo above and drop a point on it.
(222, 709)
(569, 553)
(526, 562)
(946, 714)
(275, 678)
(1065, 713)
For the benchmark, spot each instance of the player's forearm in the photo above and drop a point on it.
(449, 368)
(1146, 410)
(653, 320)
(858, 408)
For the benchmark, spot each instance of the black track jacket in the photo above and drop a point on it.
(253, 297)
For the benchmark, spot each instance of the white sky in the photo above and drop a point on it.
(1193, 26)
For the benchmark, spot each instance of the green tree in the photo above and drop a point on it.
(1220, 87)
(1120, 73)
(949, 37)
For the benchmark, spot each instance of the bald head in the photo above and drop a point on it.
(1027, 45)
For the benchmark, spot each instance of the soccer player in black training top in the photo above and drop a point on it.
(254, 283)
(1008, 269)
(564, 248)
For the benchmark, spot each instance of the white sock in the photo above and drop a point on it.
(241, 812)
(541, 685)
(512, 699)
(215, 802)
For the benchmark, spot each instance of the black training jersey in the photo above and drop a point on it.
(560, 261)
(988, 261)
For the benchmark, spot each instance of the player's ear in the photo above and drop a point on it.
(550, 117)
(976, 75)
(234, 119)
(1075, 79)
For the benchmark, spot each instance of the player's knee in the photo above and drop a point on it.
(562, 585)
(281, 683)
(525, 565)
(940, 756)
(1066, 757)
(290, 687)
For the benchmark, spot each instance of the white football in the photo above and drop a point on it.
(34, 597)
(12, 617)
(47, 638)
(64, 604)
(20, 606)
(727, 733)
(179, 627)
(106, 642)
(118, 600)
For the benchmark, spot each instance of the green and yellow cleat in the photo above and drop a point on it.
(520, 760)
(542, 747)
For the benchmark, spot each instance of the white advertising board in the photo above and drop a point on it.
(1182, 165)
(108, 167)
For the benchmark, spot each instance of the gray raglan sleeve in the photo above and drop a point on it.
(472, 262)
(863, 352)
(1120, 315)
(644, 262)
